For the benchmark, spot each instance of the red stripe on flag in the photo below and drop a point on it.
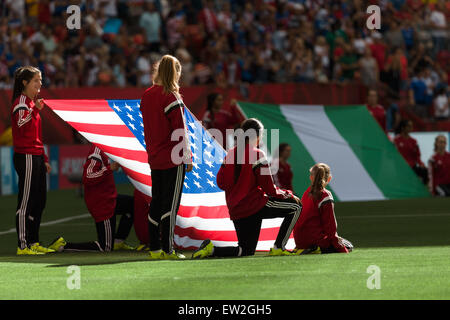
(104, 129)
(216, 212)
(78, 105)
(140, 156)
(139, 177)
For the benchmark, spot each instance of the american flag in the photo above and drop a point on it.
(116, 127)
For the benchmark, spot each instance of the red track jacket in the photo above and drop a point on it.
(317, 223)
(27, 127)
(252, 190)
(162, 114)
(99, 188)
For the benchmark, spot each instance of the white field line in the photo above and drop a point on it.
(82, 216)
(49, 223)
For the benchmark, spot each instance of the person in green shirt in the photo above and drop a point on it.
(348, 63)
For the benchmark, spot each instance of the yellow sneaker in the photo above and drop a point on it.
(58, 244)
(142, 247)
(28, 251)
(173, 256)
(123, 246)
(279, 252)
(155, 255)
(312, 250)
(206, 250)
(37, 247)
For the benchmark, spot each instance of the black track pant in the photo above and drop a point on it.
(167, 186)
(422, 173)
(248, 229)
(106, 233)
(32, 197)
(443, 190)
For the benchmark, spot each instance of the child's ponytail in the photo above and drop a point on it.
(321, 173)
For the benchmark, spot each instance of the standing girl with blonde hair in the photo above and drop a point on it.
(163, 116)
(315, 231)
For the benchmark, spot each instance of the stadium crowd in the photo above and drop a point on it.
(235, 42)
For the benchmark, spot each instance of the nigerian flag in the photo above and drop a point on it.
(365, 165)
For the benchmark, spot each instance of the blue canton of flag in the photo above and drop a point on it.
(130, 113)
(207, 154)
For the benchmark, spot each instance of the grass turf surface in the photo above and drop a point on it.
(409, 240)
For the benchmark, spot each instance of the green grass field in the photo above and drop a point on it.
(409, 240)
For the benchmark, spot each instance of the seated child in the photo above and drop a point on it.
(315, 230)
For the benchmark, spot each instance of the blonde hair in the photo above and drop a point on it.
(167, 74)
(321, 173)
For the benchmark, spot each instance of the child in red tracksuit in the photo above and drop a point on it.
(104, 204)
(169, 154)
(315, 231)
(30, 160)
(439, 168)
(252, 196)
(409, 149)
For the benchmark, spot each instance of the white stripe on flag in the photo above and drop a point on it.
(213, 199)
(115, 142)
(221, 224)
(97, 117)
(325, 144)
(134, 165)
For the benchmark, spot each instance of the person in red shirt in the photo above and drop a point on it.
(252, 196)
(104, 204)
(30, 160)
(376, 110)
(316, 230)
(282, 172)
(217, 118)
(439, 168)
(409, 149)
(168, 152)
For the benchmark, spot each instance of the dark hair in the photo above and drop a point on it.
(23, 73)
(211, 98)
(402, 126)
(282, 147)
(247, 125)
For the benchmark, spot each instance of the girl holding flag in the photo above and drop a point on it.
(30, 160)
(163, 117)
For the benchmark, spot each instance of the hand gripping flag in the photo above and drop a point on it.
(116, 127)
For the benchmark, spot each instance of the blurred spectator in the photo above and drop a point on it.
(396, 70)
(409, 149)
(368, 69)
(375, 109)
(438, 22)
(150, 21)
(441, 105)
(419, 98)
(439, 168)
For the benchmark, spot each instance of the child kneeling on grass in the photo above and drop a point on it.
(315, 231)
(252, 196)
